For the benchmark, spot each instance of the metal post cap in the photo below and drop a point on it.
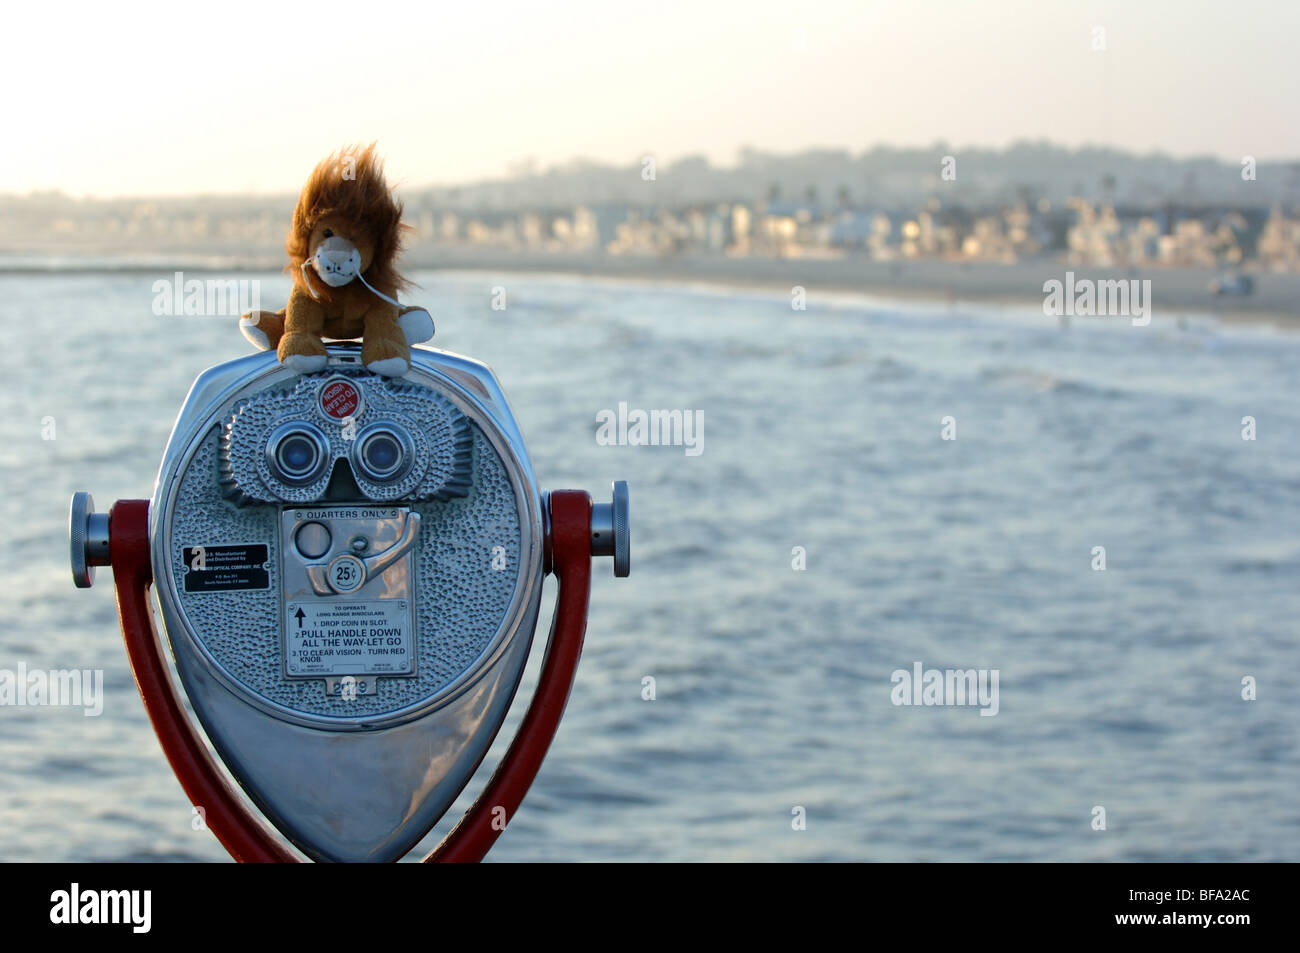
(87, 538)
(611, 529)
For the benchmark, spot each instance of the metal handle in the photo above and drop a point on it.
(318, 573)
(87, 538)
(381, 561)
(611, 529)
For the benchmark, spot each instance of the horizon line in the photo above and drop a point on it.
(567, 165)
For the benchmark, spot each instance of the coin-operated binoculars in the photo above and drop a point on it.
(347, 569)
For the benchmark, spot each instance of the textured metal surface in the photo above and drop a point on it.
(621, 505)
(361, 778)
(468, 384)
(440, 432)
(610, 529)
(83, 573)
(461, 599)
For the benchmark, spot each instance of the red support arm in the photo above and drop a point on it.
(248, 838)
(474, 836)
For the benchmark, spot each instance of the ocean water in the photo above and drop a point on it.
(1119, 689)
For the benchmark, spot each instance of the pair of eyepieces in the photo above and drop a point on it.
(298, 453)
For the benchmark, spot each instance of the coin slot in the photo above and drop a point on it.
(313, 540)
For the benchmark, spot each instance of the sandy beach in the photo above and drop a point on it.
(1174, 291)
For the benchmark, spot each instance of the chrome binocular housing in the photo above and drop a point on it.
(348, 571)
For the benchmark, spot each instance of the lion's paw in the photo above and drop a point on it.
(416, 324)
(389, 367)
(255, 335)
(305, 363)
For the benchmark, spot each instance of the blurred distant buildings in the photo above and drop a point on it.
(1079, 231)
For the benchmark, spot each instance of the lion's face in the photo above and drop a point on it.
(339, 250)
(346, 225)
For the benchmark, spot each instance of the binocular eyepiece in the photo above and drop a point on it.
(348, 569)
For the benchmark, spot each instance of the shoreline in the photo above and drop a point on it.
(1176, 291)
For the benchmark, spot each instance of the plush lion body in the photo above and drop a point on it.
(343, 247)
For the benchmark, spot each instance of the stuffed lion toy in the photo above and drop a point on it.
(346, 235)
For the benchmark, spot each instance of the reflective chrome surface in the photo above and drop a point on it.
(362, 787)
(611, 529)
(298, 432)
(87, 539)
(362, 452)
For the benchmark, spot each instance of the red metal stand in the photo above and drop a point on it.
(247, 837)
(473, 837)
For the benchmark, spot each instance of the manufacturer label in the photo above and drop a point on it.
(336, 637)
(225, 568)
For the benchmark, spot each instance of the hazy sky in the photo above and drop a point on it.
(125, 98)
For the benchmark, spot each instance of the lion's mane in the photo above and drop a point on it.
(364, 201)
